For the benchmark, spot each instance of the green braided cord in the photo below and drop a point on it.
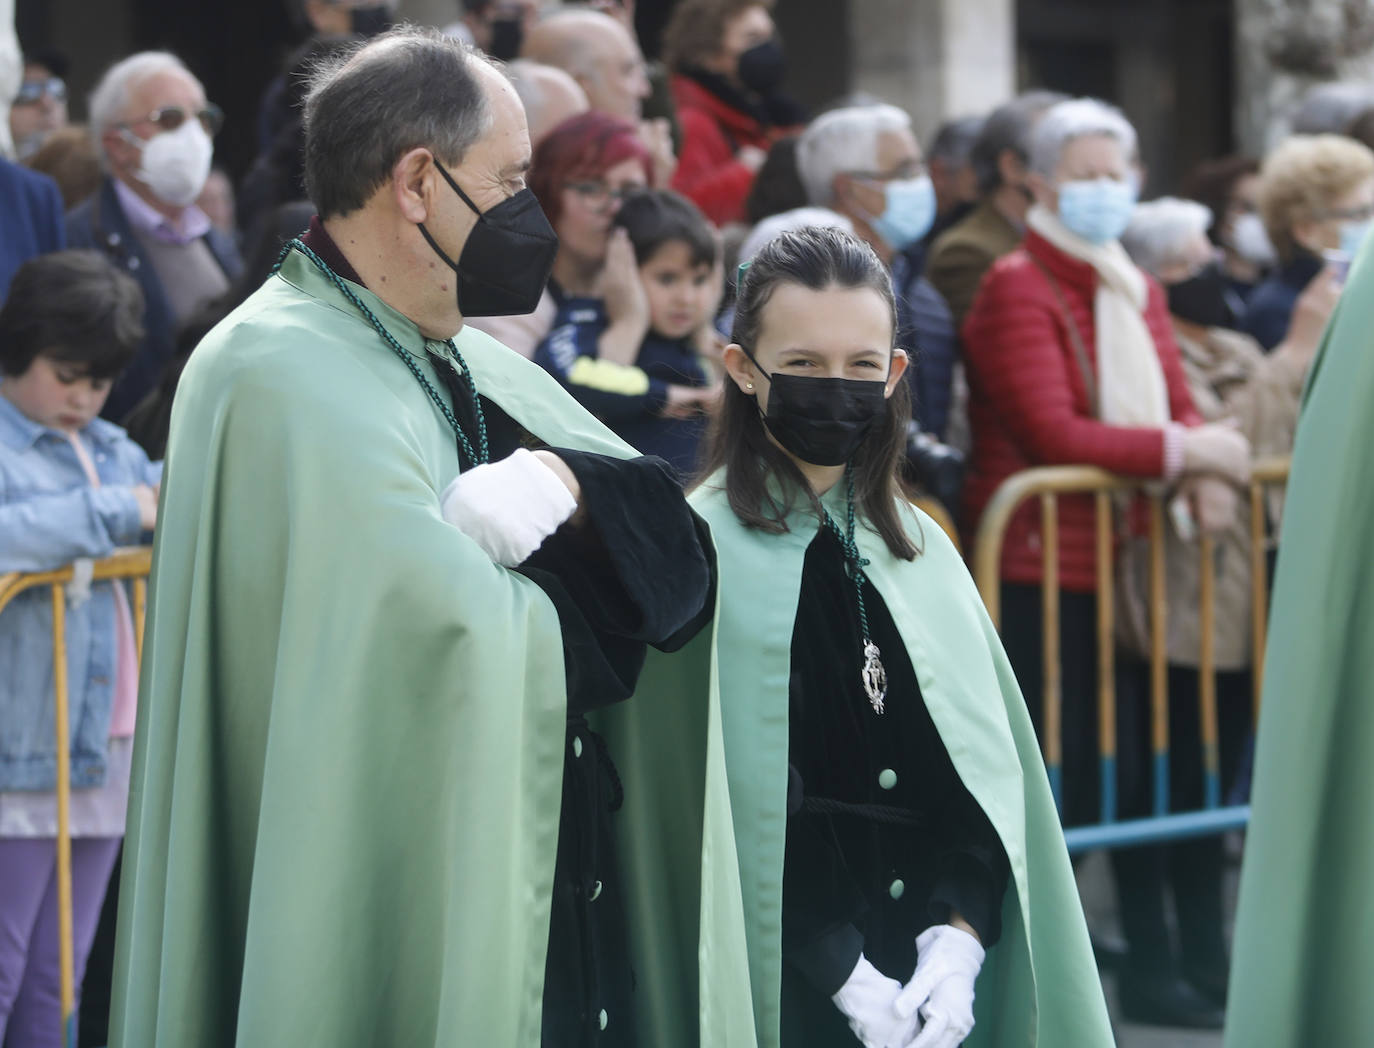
(482, 454)
(854, 561)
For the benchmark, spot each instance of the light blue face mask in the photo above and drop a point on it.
(1098, 210)
(1353, 236)
(908, 213)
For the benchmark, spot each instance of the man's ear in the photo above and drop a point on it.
(413, 181)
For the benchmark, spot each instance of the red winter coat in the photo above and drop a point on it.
(1028, 405)
(712, 132)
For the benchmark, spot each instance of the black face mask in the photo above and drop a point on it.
(508, 257)
(761, 68)
(507, 34)
(822, 421)
(369, 21)
(1202, 299)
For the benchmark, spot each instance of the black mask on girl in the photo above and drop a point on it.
(507, 259)
(822, 421)
(761, 68)
(1202, 299)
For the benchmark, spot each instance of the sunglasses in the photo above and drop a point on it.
(31, 92)
(169, 118)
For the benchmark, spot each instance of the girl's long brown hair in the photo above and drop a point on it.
(815, 257)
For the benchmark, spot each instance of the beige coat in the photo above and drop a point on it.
(1229, 376)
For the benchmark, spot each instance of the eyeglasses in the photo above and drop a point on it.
(599, 195)
(902, 172)
(1363, 213)
(169, 118)
(31, 92)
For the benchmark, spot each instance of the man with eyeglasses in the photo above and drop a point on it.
(154, 129)
(864, 163)
(40, 107)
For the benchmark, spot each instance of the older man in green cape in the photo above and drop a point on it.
(367, 797)
(1304, 946)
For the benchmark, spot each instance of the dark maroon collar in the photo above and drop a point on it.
(320, 242)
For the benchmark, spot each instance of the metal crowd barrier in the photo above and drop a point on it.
(126, 564)
(1046, 484)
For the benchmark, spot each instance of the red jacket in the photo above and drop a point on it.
(1028, 405)
(712, 132)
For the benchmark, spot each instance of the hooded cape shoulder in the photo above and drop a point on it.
(348, 768)
(1039, 985)
(1304, 943)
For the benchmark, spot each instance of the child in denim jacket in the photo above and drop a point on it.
(71, 486)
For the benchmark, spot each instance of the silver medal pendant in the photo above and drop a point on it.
(875, 677)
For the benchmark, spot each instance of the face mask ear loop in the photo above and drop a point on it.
(457, 188)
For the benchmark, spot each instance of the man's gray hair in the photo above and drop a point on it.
(843, 141)
(1160, 231)
(369, 105)
(1069, 121)
(110, 99)
(1008, 127)
(1329, 109)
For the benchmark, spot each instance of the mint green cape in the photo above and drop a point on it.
(348, 766)
(1039, 985)
(1304, 945)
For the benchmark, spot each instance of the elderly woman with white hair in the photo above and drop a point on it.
(1229, 377)
(1071, 360)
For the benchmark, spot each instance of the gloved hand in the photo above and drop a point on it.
(948, 961)
(866, 999)
(509, 507)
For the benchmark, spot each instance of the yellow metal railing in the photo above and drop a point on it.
(127, 564)
(1045, 485)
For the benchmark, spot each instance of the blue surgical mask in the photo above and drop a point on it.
(908, 213)
(1098, 210)
(1353, 235)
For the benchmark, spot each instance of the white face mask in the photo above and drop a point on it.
(176, 163)
(1250, 241)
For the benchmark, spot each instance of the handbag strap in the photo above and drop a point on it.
(1080, 348)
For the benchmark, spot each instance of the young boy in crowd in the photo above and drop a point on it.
(71, 486)
(658, 405)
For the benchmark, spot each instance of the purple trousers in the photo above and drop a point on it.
(30, 979)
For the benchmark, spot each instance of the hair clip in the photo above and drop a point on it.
(739, 273)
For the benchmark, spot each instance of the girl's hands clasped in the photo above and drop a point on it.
(941, 989)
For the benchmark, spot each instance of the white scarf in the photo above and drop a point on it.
(1130, 380)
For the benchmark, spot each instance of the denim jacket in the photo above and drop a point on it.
(49, 516)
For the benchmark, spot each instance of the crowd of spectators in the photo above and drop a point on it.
(1052, 318)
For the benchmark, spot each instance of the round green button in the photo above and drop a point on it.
(602, 1019)
(896, 888)
(887, 778)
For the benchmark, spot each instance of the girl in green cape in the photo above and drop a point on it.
(893, 826)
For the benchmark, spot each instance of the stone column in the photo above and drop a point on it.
(1283, 47)
(936, 59)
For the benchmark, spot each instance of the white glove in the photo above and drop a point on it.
(948, 960)
(866, 1000)
(509, 507)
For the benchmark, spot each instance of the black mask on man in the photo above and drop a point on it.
(1202, 299)
(507, 34)
(761, 68)
(507, 259)
(822, 421)
(369, 21)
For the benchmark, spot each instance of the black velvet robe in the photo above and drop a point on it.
(905, 846)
